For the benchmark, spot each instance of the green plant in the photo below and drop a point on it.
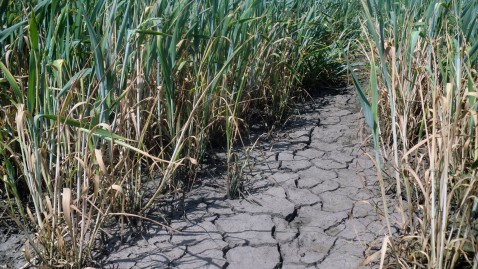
(423, 81)
(93, 90)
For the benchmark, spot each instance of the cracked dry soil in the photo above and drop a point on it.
(310, 203)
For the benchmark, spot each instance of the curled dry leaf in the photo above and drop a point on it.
(65, 202)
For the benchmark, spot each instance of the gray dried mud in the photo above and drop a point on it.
(310, 202)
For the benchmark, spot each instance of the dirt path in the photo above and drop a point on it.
(309, 204)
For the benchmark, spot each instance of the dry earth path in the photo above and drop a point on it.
(310, 203)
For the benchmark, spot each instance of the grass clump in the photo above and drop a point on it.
(94, 90)
(423, 84)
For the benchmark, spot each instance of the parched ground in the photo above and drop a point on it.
(310, 202)
(11, 244)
